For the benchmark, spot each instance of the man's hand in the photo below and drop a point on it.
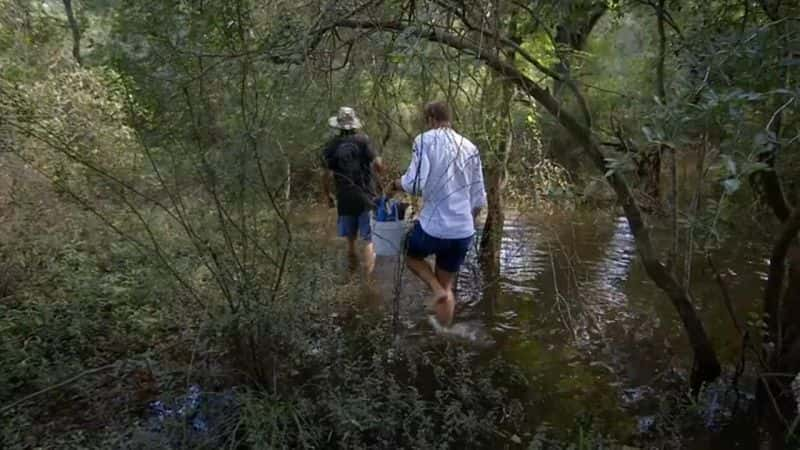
(475, 213)
(393, 188)
(379, 167)
(327, 176)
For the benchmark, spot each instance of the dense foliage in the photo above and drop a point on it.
(158, 161)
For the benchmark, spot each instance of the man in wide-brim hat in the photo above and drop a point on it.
(353, 163)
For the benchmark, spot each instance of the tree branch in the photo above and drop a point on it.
(662, 51)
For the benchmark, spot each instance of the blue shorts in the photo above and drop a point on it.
(350, 226)
(450, 253)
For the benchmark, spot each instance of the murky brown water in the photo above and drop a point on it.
(574, 309)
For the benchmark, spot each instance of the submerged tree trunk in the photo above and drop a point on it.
(76, 31)
(774, 396)
(790, 336)
(500, 97)
(491, 239)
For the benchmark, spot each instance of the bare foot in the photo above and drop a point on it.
(369, 259)
(445, 307)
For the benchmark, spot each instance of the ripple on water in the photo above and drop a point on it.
(473, 332)
(609, 274)
(522, 260)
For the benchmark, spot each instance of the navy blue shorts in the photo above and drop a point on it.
(350, 226)
(450, 253)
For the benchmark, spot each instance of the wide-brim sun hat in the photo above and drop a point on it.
(345, 119)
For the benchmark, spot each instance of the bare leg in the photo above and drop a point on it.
(446, 308)
(352, 259)
(423, 270)
(369, 258)
(446, 279)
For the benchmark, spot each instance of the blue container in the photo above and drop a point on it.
(386, 210)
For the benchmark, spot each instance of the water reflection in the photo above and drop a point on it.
(611, 272)
(522, 259)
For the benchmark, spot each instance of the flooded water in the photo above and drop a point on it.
(575, 310)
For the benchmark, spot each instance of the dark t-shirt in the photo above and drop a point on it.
(350, 158)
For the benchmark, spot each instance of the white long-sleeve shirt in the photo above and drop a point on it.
(446, 171)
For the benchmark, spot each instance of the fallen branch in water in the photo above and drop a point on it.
(66, 382)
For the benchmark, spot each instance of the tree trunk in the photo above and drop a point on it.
(775, 403)
(499, 99)
(649, 167)
(492, 236)
(76, 31)
(790, 340)
(782, 307)
(571, 36)
(775, 396)
(771, 188)
(648, 171)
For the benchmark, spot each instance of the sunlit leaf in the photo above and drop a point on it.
(730, 164)
(648, 133)
(731, 185)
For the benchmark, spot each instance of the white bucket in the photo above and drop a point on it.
(388, 236)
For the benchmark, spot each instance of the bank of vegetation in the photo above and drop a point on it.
(156, 160)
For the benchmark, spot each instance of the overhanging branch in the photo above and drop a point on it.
(463, 43)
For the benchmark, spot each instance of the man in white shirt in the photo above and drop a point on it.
(446, 171)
